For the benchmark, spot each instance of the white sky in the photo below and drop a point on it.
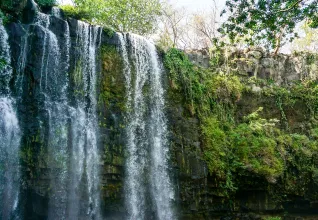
(194, 5)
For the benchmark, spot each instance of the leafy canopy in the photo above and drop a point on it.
(267, 22)
(138, 16)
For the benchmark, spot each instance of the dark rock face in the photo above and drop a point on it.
(200, 197)
(28, 43)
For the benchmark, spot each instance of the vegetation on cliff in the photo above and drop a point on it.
(257, 144)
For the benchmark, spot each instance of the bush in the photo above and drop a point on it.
(11, 9)
(3, 18)
(273, 218)
(75, 12)
(215, 148)
(202, 89)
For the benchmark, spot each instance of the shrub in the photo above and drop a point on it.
(202, 89)
(75, 12)
(273, 218)
(4, 18)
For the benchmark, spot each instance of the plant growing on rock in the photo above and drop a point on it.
(256, 146)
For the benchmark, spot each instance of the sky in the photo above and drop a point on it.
(195, 5)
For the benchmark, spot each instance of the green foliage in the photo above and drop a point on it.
(184, 77)
(4, 18)
(216, 146)
(2, 64)
(303, 92)
(46, 3)
(108, 31)
(138, 16)
(267, 22)
(201, 88)
(255, 146)
(250, 146)
(7, 5)
(10, 9)
(225, 87)
(75, 12)
(273, 218)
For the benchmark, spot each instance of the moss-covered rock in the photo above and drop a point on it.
(250, 150)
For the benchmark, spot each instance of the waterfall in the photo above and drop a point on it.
(85, 159)
(54, 84)
(53, 88)
(148, 185)
(69, 127)
(161, 185)
(9, 135)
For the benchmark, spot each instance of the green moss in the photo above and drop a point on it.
(108, 31)
(112, 87)
(32, 154)
(112, 192)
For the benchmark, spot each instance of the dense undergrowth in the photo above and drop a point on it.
(255, 145)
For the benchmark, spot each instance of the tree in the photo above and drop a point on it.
(204, 24)
(138, 16)
(172, 26)
(309, 42)
(184, 30)
(269, 22)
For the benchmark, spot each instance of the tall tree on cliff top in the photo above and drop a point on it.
(268, 22)
(138, 16)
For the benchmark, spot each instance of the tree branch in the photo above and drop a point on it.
(291, 7)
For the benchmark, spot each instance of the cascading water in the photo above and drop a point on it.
(9, 136)
(161, 185)
(53, 87)
(147, 171)
(55, 91)
(136, 135)
(85, 159)
(70, 130)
